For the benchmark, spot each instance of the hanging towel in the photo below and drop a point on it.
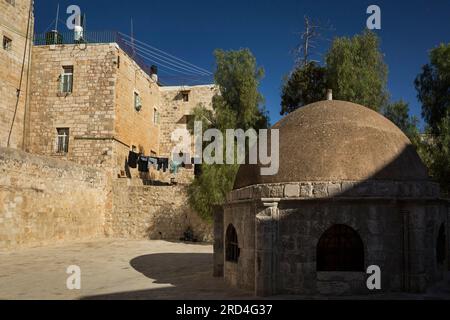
(153, 162)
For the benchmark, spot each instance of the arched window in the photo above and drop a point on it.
(232, 245)
(440, 245)
(340, 249)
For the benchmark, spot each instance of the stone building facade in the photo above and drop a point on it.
(100, 113)
(82, 108)
(351, 193)
(14, 54)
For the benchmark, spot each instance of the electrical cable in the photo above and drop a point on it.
(21, 73)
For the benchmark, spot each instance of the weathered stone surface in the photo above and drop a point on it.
(292, 190)
(13, 25)
(320, 190)
(45, 200)
(306, 190)
(153, 212)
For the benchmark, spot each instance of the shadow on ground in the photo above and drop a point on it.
(176, 276)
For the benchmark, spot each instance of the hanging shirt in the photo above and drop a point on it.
(153, 162)
(132, 159)
(143, 164)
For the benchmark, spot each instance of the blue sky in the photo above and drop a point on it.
(192, 30)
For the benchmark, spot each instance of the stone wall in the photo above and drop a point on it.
(175, 110)
(153, 212)
(134, 127)
(88, 112)
(13, 25)
(44, 200)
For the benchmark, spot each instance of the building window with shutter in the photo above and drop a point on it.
(137, 102)
(62, 140)
(67, 79)
(7, 43)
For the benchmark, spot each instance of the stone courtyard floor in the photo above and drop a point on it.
(114, 269)
(124, 269)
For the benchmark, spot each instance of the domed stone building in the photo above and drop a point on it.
(351, 192)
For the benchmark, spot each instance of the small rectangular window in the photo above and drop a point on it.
(7, 43)
(62, 142)
(137, 102)
(155, 116)
(67, 79)
(185, 96)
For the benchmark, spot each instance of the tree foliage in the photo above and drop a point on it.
(433, 87)
(305, 85)
(237, 106)
(398, 113)
(356, 71)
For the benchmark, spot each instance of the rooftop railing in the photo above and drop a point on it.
(167, 78)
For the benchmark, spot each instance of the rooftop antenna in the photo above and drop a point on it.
(57, 18)
(132, 37)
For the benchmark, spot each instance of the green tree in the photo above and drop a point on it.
(305, 85)
(356, 70)
(398, 113)
(435, 151)
(238, 106)
(433, 87)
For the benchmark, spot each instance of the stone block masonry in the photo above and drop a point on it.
(13, 26)
(45, 200)
(87, 112)
(153, 212)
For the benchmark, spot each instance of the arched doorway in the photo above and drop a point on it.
(232, 250)
(440, 246)
(340, 248)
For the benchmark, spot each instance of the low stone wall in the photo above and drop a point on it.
(44, 200)
(153, 212)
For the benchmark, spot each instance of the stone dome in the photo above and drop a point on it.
(338, 141)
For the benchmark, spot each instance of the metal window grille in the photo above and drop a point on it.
(232, 245)
(340, 249)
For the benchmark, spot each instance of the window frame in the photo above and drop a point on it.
(185, 96)
(62, 140)
(7, 43)
(67, 76)
(156, 116)
(137, 101)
